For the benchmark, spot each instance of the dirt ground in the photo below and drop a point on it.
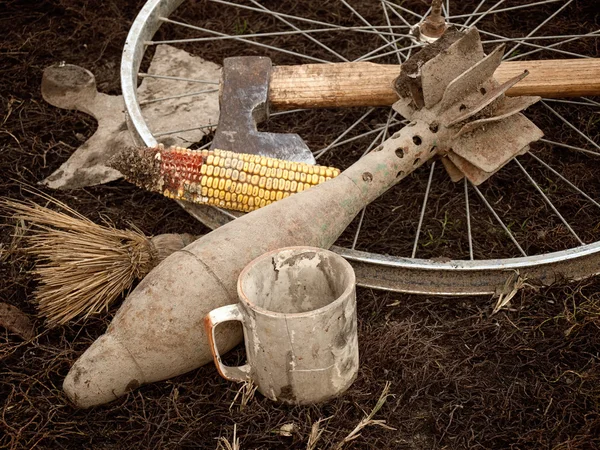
(528, 377)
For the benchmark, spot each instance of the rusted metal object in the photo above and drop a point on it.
(451, 86)
(434, 25)
(244, 102)
(157, 334)
(298, 311)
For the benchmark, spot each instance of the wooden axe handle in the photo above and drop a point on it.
(369, 84)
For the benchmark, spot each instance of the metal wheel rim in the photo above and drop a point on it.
(410, 275)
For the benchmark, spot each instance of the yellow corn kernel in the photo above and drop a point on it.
(263, 203)
(272, 196)
(238, 188)
(211, 191)
(279, 195)
(235, 175)
(209, 170)
(261, 193)
(269, 184)
(328, 172)
(321, 179)
(263, 161)
(245, 188)
(270, 162)
(203, 181)
(210, 159)
(217, 172)
(275, 184)
(240, 164)
(286, 194)
(263, 171)
(227, 197)
(205, 154)
(227, 186)
(250, 168)
(203, 168)
(228, 162)
(286, 175)
(287, 186)
(217, 152)
(322, 171)
(245, 200)
(257, 168)
(293, 186)
(216, 160)
(228, 172)
(242, 177)
(235, 206)
(279, 173)
(302, 177)
(251, 202)
(314, 179)
(294, 167)
(255, 191)
(254, 180)
(311, 170)
(211, 201)
(204, 191)
(221, 184)
(303, 168)
(262, 182)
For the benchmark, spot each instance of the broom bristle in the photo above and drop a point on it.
(84, 266)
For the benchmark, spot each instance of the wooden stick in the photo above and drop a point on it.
(369, 84)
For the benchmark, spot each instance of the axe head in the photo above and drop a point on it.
(243, 103)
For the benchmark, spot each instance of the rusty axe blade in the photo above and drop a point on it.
(244, 103)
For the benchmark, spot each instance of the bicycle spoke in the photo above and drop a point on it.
(573, 127)
(166, 77)
(548, 19)
(321, 152)
(568, 102)
(403, 9)
(381, 55)
(559, 175)
(258, 44)
(423, 207)
(468, 211)
(509, 8)
(570, 147)
(487, 12)
(165, 133)
(319, 43)
(499, 220)
(367, 56)
(530, 44)
(552, 48)
(548, 201)
(189, 94)
(253, 35)
(470, 16)
(387, 19)
(363, 20)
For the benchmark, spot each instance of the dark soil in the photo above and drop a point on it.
(527, 377)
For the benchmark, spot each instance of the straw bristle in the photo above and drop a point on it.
(84, 267)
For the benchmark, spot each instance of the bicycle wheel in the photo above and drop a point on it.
(536, 219)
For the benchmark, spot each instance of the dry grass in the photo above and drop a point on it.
(83, 267)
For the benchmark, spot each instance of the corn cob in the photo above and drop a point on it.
(236, 181)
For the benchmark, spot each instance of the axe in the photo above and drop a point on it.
(251, 86)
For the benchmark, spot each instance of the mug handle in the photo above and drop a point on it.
(216, 316)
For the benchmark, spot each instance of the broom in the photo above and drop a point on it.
(83, 267)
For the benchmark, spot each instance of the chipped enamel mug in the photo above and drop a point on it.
(298, 311)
